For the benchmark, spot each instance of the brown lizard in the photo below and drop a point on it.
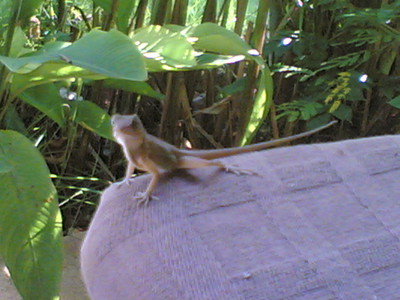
(151, 154)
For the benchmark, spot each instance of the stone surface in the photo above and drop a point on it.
(321, 221)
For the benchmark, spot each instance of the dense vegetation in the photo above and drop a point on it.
(65, 66)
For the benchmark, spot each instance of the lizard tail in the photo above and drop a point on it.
(218, 153)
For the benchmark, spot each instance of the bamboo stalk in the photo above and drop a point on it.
(257, 41)
(159, 12)
(179, 13)
(61, 14)
(140, 14)
(364, 121)
(241, 8)
(111, 16)
(210, 12)
(224, 12)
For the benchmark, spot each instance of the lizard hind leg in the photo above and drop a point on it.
(191, 162)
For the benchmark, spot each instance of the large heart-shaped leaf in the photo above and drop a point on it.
(92, 117)
(138, 87)
(46, 98)
(97, 55)
(49, 72)
(108, 53)
(30, 221)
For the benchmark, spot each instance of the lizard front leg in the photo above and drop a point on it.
(145, 197)
(129, 171)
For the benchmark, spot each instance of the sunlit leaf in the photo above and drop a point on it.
(334, 106)
(164, 48)
(208, 60)
(96, 55)
(214, 38)
(49, 72)
(262, 104)
(108, 53)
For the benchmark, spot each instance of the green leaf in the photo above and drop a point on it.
(47, 99)
(5, 12)
(92, 117)
(262, 104)
(235, 87)
(208, 60)
(49, 72)
(164, 49)
(125, 10)
(30, 221)
(26, 64)
(96, 55)
(108, 53)
(318, 121)
(13, 121)
(138, 87)
(293, 116)
(343, 112)
(395, 102)
(355, 94)
(29, 8)
(214, 38)
(104, 4)
(18, 42)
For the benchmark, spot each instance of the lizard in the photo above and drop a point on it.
(153, 155)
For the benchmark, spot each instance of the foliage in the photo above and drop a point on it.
(30, 221)
(336, 61)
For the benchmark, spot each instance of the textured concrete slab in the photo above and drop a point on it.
(7, 289)
(72, 287)
(320, 222)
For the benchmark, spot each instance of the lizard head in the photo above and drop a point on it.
(129, 125)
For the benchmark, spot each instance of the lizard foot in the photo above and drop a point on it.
(239, 171)
(143, 198)
(124, 182)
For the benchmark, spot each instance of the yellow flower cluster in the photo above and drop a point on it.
(340, 89)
